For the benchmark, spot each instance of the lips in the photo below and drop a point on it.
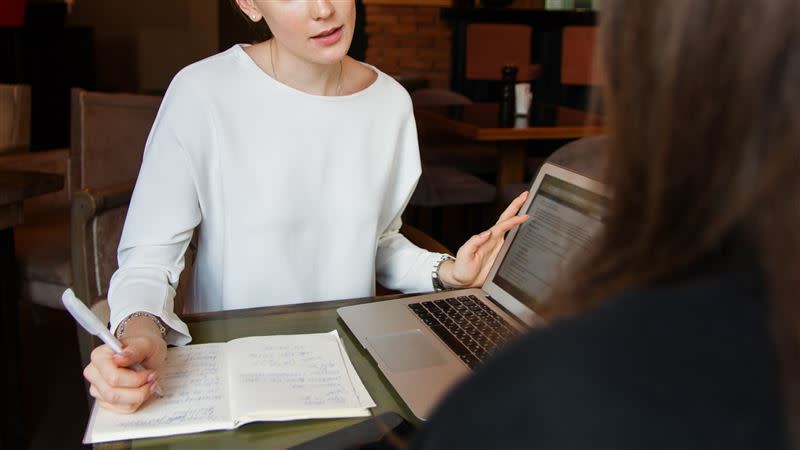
(326, 32)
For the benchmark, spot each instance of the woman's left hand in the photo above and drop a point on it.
(475, 258)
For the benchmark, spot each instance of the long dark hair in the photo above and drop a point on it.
(703, 108)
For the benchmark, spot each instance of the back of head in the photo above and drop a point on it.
(703, 103)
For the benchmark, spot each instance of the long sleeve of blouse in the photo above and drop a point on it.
(296, 197)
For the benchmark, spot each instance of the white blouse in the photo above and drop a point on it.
(298, 196)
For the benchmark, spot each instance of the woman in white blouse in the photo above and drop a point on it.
(297, 162)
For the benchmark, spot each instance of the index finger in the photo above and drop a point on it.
(513, 207)
(500, 228)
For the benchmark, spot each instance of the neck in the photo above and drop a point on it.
(301, 74)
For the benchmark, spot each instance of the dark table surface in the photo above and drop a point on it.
(481, 121)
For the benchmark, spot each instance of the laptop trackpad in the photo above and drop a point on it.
(407, 350)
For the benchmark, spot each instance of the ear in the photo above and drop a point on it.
(250, 10)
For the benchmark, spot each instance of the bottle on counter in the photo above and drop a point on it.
(508, 102)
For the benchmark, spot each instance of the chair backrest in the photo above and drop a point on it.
(585, 156)
(15, 116)
(108, 135)
(98, 216)
(485, 58)
(578, 64)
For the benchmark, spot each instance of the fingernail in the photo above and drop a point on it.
(486, 233)
(152, 377)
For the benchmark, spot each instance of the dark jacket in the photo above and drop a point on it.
(691, 365)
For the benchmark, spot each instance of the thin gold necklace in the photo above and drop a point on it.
(275, 73)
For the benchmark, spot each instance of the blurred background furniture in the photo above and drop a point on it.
(15, 187)
(579, 71)
(42, 238)
(479, 122)
(51, 58)
(485, 58)
(108, 136)
(450, 165)
(545, 45)
(585, 156)
(15, 116)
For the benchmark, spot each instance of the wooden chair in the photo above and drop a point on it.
(107, 141)
(15, 117)
(108, 135)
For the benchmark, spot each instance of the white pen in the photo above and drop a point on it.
(94, 326)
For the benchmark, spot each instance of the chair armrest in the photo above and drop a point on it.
(86, 205)
(96, 201)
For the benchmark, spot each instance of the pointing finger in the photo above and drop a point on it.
(513, 207)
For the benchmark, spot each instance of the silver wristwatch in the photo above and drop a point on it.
(437, 282)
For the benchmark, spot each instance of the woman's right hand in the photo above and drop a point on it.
(118, 388)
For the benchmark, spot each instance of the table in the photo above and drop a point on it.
(293, 319)
(481, 122)
(15, 186)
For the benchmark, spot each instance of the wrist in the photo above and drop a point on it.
(140, 324)
(446, 275)
(436, 279)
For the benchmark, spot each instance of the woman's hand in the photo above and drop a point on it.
(114, 385)
(475, 258)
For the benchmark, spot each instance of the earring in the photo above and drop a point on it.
(254, 17)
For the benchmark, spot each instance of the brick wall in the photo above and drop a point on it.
(409, 40)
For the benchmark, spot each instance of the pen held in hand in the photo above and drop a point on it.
(94, 326)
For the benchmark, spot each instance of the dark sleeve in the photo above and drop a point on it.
(688, 370)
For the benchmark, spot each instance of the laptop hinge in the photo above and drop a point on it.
(508, 313)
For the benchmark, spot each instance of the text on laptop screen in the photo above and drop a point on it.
(562, 219)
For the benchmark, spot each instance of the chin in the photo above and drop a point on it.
(334, 53)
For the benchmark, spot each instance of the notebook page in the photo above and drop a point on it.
(195, 384)
(293, 377)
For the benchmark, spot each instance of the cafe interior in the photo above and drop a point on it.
(498, 88)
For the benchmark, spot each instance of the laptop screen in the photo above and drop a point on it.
(562, 219)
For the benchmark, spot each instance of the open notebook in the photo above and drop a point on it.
(222, 386)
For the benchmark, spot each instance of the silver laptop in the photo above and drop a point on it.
(424, 344)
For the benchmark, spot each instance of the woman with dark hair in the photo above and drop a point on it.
(679, 328)
(296, 162)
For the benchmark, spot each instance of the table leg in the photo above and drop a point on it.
(511, 166)
(12, 423)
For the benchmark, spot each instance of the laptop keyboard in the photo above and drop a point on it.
(470, 328)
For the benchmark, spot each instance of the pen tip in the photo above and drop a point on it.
(156, 389)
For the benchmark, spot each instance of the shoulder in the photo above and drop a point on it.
(383, 87)
(208, 75)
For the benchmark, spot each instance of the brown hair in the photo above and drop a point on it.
(703, 107)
